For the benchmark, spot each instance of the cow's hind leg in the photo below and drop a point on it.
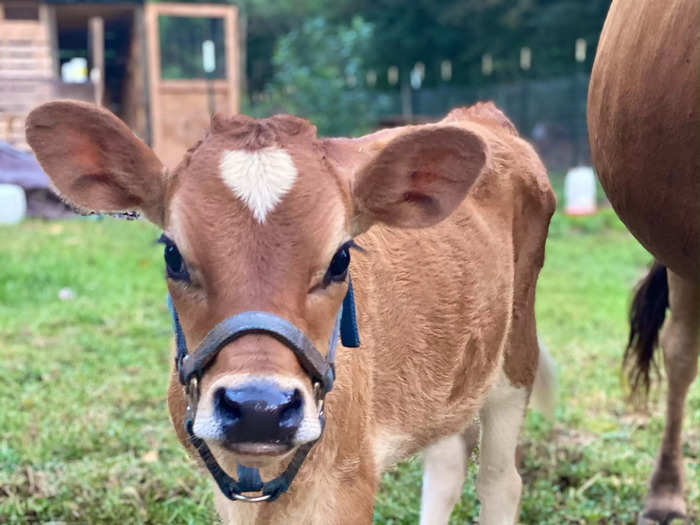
(444, 468)
(679, 341)
(498, 483)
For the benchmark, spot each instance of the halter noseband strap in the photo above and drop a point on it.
(253, 322)
(321, 370)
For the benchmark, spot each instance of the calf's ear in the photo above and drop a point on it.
(95, 161)
(418, 178)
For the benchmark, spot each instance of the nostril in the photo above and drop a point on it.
(292, 412)
(228, 404)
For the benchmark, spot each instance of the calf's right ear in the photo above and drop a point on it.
(95, 161)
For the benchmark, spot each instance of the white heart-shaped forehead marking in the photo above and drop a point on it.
(259, 178)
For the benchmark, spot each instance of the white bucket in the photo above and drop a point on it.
(580, 191)
(13, 204)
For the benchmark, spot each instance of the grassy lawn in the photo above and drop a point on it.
(84, 432)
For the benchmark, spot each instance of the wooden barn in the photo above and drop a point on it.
(161, 67)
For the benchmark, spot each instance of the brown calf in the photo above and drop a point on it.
(260, 215)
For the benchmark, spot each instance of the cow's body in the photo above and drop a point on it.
(644, 128)
(643, 115)
(446, 313)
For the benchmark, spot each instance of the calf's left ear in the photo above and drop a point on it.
(418, 178)
(95, 161)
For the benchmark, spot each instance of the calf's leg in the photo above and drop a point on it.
(679, 341)
(444, 468)
(498, 483)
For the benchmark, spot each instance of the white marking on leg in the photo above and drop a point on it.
(543, 396)
(388, 448)
(259, 178)
(498, 483)
(444, 468)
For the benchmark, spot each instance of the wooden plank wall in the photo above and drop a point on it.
(26, 72)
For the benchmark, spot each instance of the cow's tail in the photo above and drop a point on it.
(543, 396)
(647, 314)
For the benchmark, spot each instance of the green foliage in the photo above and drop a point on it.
(264, 23)
(316, 69)
(462, 31)
(84, 430)
(427, 31)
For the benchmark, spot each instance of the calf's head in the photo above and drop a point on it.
(259, 215)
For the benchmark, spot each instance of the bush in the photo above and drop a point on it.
(318, 76)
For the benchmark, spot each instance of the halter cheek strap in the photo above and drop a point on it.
(320, 369)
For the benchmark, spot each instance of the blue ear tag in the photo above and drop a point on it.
(348, 320)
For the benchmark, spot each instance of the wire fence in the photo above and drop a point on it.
(549, 113)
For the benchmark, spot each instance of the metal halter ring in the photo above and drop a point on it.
(251, 499)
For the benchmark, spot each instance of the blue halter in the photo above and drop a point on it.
(320, 369)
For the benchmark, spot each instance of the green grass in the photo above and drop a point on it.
(84, 432)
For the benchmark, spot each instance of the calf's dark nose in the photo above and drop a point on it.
(259, 412)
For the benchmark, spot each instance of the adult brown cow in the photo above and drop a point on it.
(259, 219)
(643, 129)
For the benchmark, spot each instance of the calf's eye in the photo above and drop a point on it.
(175, 267)
(338, 269)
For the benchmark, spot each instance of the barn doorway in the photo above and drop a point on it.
(183, 91)
(100, 58)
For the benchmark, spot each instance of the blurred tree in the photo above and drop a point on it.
(266, 22)
(405, 33)
(462, 31)
(318, 75)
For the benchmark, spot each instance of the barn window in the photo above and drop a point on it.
(181, 40)
(21, 11)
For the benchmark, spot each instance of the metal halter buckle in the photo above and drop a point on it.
(319, 396)
(191, 391)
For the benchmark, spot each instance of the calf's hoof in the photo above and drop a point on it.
(662, 509)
